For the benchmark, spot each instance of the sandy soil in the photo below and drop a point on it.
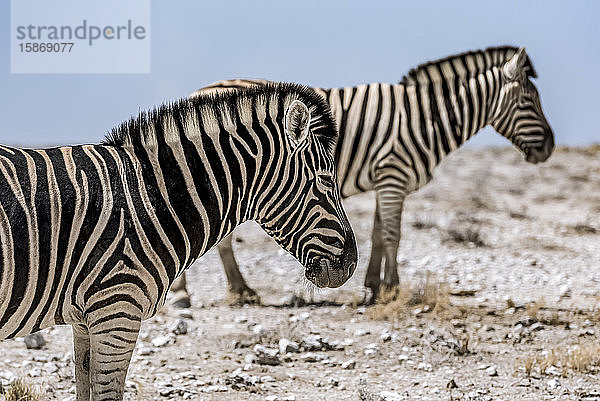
(508, 251)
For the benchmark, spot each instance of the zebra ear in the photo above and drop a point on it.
(514, 66)
(297, 118)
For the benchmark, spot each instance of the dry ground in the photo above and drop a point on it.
(500, 262)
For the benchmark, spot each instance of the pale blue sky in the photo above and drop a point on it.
(324, 43)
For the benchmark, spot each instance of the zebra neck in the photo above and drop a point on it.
(445, 112)
(196, 169)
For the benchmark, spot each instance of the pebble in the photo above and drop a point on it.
(186, 314)
(313, 343)
(564, 291)
(286, 346)
(361, 332)
(299, 317)
(371, 349)
(241, 381)
(6, 377)
(35, 341)
(216, 388)
(161, 341)
(266, 355)
(385, 336)
(527, 321)
(145, 351)
(249, 358)
(425, 366)
(180, 327)
(553, 383)
(312, 357)
(348, 365)
(390, 396)
(491, 371)
(259, 330)
(241, 319)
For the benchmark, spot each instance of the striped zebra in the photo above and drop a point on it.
(94, 235)
(392, 136)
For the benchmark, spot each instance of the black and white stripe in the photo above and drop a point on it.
(94, 235)
(392, 136)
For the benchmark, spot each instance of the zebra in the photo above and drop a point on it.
(94, 235)
(392, 136)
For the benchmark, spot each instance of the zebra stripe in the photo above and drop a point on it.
(392, 136)
(94, 235)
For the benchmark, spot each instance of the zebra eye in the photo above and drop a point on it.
(327, 180)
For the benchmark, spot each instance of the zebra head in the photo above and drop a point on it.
(519, 116)
(307, 219)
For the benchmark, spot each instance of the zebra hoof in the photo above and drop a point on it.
(371, 299)
(247, 296)
(181, 300)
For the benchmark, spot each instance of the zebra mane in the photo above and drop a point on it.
(492, 57)
(136, 131)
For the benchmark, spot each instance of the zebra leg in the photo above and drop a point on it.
(181, 296)
(81, 348)
(111, 345)
(373, 277)
(390, 204)
(239, 292)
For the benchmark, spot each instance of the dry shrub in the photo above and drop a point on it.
(429, 294)
(21, 390)
(469, 235)
(582, 358)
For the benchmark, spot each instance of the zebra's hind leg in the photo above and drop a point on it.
(239, 292)
(373, 276)
(390, 203)
(181, 296)
(111, 345)
(81, 348)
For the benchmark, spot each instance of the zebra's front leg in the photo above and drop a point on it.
(373, 276)
(111, 345)
(81, 350)
(239, 292)
(390, 206)
(181, 296)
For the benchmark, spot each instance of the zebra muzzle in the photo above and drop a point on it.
(324, 273)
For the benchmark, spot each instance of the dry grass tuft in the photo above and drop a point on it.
(582, 358)
(533, 309)
(591, 150)
(21, 390)
(428, 295)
